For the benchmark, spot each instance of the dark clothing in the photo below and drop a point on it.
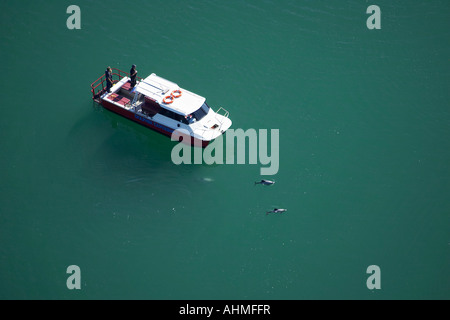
(133, 74)
(109, 83)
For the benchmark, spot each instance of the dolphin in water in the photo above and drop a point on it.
(276, 211)
(265, 182)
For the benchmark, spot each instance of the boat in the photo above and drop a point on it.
(161, 105)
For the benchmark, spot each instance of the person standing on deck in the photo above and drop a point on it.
(133, 73)
(108, 76)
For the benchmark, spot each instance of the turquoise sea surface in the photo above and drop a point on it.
(364, 126)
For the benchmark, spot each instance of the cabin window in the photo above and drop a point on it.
(184, 120)
(173, 115)
(151, 107)
(201, 112)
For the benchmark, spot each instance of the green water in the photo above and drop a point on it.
(364, 153)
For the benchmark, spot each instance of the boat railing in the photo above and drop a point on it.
(225, 114)
(224, 111)
(98, 87)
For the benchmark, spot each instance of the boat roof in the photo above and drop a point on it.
(157, 88)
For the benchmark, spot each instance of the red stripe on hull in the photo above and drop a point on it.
(149, 123)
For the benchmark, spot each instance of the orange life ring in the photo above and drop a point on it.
(176, 93)
(168, 99)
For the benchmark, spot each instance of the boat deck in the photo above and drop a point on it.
(145, 103)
